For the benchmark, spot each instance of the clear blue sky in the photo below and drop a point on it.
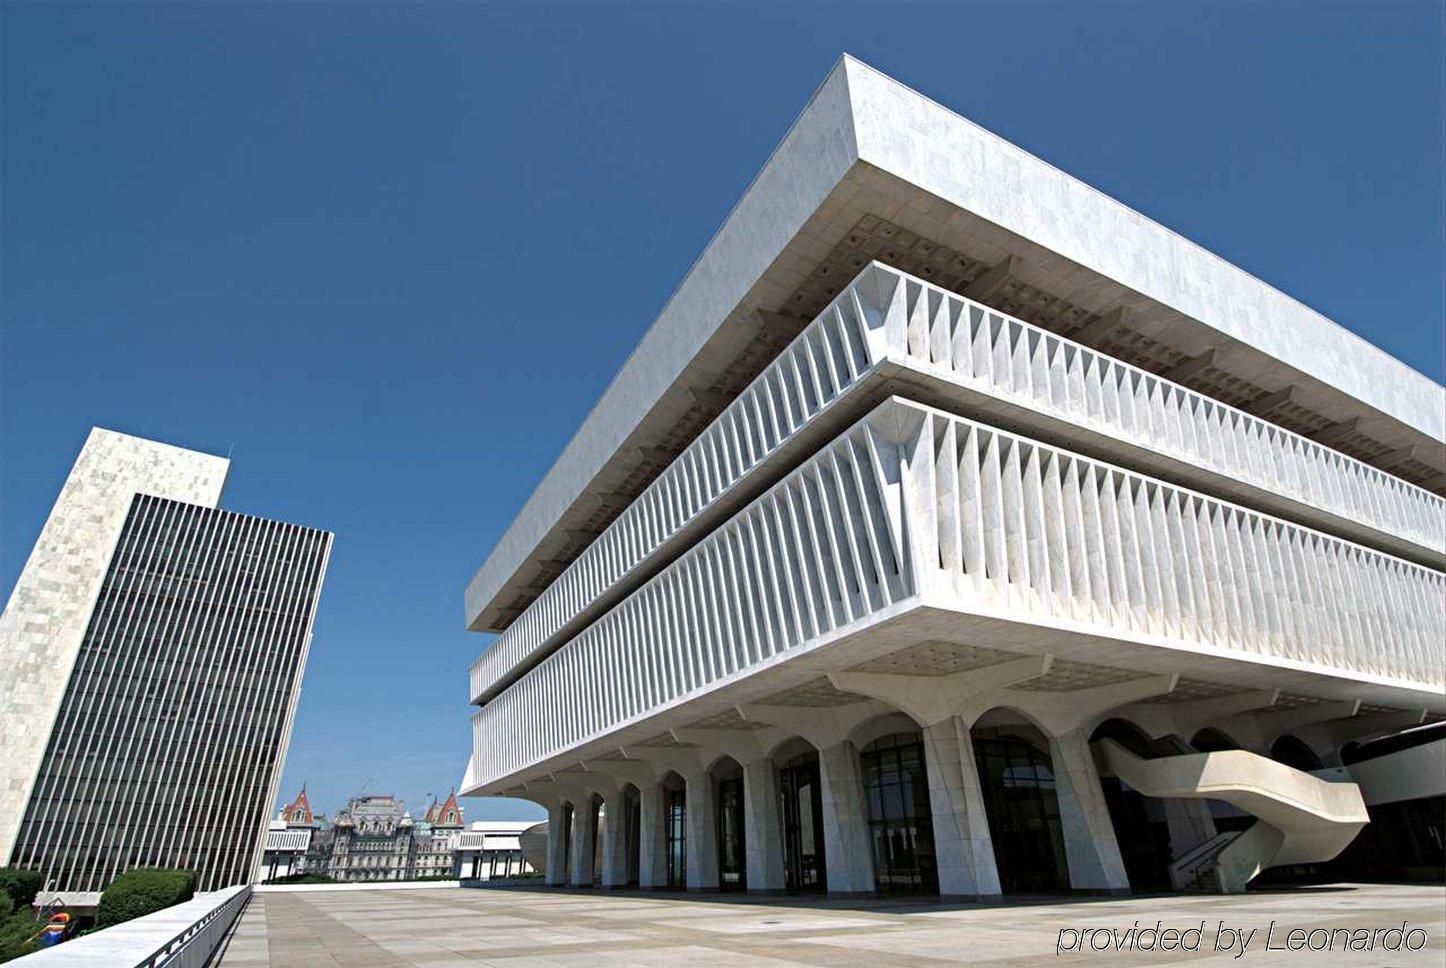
(388, 255)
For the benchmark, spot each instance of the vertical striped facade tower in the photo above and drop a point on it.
(957, 530)
(169, 686)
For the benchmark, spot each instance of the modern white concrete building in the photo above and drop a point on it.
(288, 844)
(284, 851)
(951, 518)
(493, 850)
(153, 650)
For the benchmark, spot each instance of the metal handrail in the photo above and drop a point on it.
(212, 926)
(203, 922)
(1201, 855)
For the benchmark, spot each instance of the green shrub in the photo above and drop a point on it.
(302, 879)
(18, 932)
(22, 884)
(143, 891)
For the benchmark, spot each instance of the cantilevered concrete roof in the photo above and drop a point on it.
(872, 169)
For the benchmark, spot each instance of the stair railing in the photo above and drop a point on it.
(1200, 859)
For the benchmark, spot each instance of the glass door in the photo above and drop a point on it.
(632, 815)
(802, 806)
(901, 824)
(676, 817)
(1017, 781)
(567, 844)
(731, 867)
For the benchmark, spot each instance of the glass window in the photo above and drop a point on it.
(1017, 781)
(801, 807)
(731, 869)
(677, 822)
(901, 825)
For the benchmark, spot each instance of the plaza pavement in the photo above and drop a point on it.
(597, 929)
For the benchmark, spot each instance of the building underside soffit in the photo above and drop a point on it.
(664, 741)
(940, 658)
(1192, 690)
(816, 694)
(934, 659)
(1068, 676)
(946, 658)
(1295, 700)
(727, 720)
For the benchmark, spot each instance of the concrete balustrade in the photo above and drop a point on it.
(184, 935)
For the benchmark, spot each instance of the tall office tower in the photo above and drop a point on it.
(1006, 539)
(153, 647)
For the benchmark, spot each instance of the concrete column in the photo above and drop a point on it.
(1090, 847)
(615, 840)
(1189, 822)
(963, 848)
(762, 830)
(557, 844)
(701, 834)
(848, 861)
(652, 838)
(584, 854)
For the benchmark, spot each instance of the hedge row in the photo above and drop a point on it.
(307, 878)
(143, 891)
(18, 924)
(20, 885)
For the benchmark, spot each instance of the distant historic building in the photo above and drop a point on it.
(298, 813)
(373, 839)
(436, 838)
(289, 839)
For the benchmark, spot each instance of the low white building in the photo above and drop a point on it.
(493, 849)
(951, 521)
(290, 843)
(284, 853)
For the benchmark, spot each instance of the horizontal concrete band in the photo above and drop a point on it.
(917, 516)
(888, 327)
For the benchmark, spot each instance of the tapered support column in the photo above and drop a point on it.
(963, 848)
(702, 834)
(652, 838)
(557, 835)
(1189, 822)
(1089, 836)
(615, 840)
(848, 862)
(762, 833)
(584, 852)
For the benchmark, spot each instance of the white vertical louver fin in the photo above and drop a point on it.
(886, 315)
(912, 502)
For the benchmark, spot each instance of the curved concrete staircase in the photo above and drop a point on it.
(1302, 819)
